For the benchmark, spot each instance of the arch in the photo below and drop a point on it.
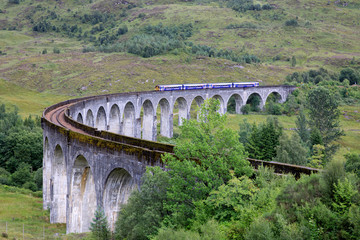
(165, 118)
(58, 187)
(195, 105)
(46, 174)
(129, 120)
(89, 118)
(182, 107)
(114, 119)
(256, 102)
(274, 96)
(82, 196)
(234, 103)
(79, 118)
(118, 188)
(222, 108)
(148, 128)
(101, 119)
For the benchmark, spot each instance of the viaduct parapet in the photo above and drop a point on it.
(96, 149)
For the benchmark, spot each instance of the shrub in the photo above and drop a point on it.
(292, 23)
(245, 109)
(260, 230)
(56, 50)
(353, 163)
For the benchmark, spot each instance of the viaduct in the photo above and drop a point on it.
(97, 148)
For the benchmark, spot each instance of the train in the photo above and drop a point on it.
(176, 87)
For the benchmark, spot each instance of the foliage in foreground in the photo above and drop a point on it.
(20, 150)
(217, 199)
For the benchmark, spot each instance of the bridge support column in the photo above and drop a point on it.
(137, 128)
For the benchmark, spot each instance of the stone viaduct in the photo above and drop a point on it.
(97, 148)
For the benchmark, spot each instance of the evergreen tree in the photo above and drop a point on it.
(264, 140)
(291, 150)
(324, 116)
(99, 225)
(302, 127)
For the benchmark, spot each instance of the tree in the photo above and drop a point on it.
(350, 74)
(264, 139)
(99, 225)
(144, 212)
(302, 127)
(324, 116)
(291, 150)
(353, 163)
(205, 153)
(206, 156)
(293, 61)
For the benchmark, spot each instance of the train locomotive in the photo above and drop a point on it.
(175, 87)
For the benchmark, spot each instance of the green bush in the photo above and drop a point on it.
(260, 229)
(292, 23)
(353, 163)
(245, 109)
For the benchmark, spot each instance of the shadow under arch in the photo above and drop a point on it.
(256, 102)
(181, 106)
(118, 187)
(129, 120)
(148, 121)
(101, 119)
(89, 118)
(58, 187)
(46, 174)
(234, 104)
(165, 118)
(115, 119)
(82, 196)
(195, 106)
(222, 108)
(79, 118)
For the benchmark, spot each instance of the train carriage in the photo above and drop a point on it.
(175, 87)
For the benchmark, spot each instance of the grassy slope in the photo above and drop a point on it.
(18, 208)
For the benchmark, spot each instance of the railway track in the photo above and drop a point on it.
(56, 115)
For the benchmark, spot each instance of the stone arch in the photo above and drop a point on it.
(101, 119)
(250, 98)
(58, 187)
(183, 109)
(89, 118)
(82, 196)
(79, 118)
(46, 174)
(115, 119)
(129, 120)
(222, 107)
(278, 97)
(195, 104)
(165, 118)
(238, 102)
(118, 188)
(148, 123)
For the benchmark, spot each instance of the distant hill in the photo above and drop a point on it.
(78, 47)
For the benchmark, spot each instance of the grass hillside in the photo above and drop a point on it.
(20, 208)
(50, 60)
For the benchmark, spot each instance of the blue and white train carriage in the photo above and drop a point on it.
(175, 87)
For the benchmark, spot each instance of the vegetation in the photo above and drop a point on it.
(181, 202)
(20, 150)
(55, 50)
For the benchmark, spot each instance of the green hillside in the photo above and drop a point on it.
(321, 34)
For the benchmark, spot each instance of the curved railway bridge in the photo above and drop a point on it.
(97, 148)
